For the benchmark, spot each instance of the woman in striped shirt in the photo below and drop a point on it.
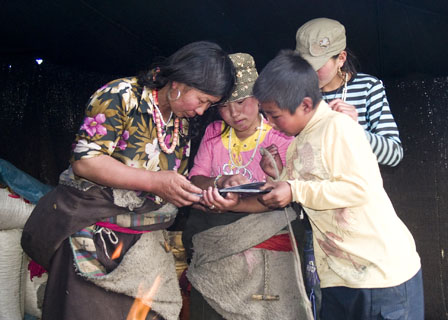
(322, 42)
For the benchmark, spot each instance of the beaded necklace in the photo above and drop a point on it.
(157, 115)
(260, 130)
(344, 91)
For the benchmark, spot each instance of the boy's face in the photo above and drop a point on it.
(282, 120)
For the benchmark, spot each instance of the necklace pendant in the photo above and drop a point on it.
(249, 175)
(227, 170)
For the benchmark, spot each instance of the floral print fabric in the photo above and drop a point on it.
(119, 123)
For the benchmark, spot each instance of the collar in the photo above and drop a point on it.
(321, 110)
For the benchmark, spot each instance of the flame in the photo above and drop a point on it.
(117, 252)
(141, 306)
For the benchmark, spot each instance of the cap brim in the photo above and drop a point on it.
(242, 91)
(315, 62)
(239, 98)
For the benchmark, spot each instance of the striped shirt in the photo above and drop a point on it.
(368, 95)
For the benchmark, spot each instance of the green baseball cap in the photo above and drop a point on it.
(320, 39)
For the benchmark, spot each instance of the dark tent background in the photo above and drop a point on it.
(391, 37)
(86, 43)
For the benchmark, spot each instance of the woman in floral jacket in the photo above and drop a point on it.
(127, 177)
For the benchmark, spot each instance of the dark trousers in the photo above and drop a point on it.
(402, 302)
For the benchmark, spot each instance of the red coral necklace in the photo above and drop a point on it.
(157, 115)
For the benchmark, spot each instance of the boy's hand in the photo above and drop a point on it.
(279, 197)
(266, 161)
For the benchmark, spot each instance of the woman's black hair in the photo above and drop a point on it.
(201, 65)
(351, 64)
(287, 80)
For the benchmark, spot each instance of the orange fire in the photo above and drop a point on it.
(117, 252)
(142, 305)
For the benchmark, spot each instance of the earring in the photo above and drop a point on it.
(169, 95)
(154, 73)
(340, 74)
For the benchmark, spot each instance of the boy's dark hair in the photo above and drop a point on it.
(287, 80)
(201, 65)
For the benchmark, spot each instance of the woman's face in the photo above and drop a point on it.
(191, 102)
(328, 73)
(241, 115)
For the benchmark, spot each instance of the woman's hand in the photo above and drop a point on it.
(343, 107)
(212, 199)
(174, 188)
(279, 197)
(266, 161)
(167, 184)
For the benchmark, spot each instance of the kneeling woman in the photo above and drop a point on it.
(126, 179)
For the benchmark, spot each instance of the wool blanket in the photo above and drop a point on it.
(228, 271)
(137, 272)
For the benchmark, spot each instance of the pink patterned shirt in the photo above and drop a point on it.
(213, 156)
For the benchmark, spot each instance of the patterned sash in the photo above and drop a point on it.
(83, 246)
